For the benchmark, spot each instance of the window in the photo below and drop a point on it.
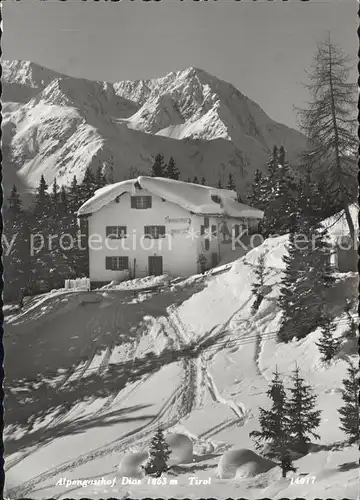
(215, 198)
(154, 232)
(206, 221)
(116, 232)
(141, 202)
(214, 231)
(116, 263)
(207, 244)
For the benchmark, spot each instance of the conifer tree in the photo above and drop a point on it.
(158, 455)
(303, 417)
(195, 180)
(74, 196)
(231, 184)
(329, 122)
(203, 181)
(306, 277)
(100, 178)
(172, 172)
(55, 194)
(257, 192)
(87, 187)
(275, 427)
(328, 345)
(349, 412)
(257, 286)
(219, 184)
(352, 329)
(42, 198)
(158, 167)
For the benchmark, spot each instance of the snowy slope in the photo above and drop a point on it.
(213, 397)
(207, 125)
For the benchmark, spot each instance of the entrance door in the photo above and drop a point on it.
(155, 265)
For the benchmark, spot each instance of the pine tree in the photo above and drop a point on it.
(349, 412)
(257, 192)
(158, 455)
(273, 164)
(88, 186)
(158, 167)
(231, 184)
(303, 417)
(195, 180)
(305, 279)
(14, 201)
(100, 178)
(172, 172)
(42, 198)
(275, 427)
(203, 181)
(55, 194)
(328, 345)
(330, 124)
(257, 286)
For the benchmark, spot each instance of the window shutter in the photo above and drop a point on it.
(214, 231)
(162, 231)
(202, 230)
(126, 262)
(108, 265)
(147, 231)
(207, 244)
(206, 221)
(133, 202)
(148, 203)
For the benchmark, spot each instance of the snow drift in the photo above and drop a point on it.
(242, 463)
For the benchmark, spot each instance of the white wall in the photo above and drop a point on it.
(178, 251)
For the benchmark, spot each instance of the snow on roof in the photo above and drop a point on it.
(193, 197)
(337, 226)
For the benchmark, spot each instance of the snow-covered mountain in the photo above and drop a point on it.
(58, 125)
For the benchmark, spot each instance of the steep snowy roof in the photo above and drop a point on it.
(193, 197)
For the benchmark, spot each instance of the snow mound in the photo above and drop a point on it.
(130, 465)
(181, 448)
(242, 463)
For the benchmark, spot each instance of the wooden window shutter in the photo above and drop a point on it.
(133, 202)
(202, 230)
(108, 263)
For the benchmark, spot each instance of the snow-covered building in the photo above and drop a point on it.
(153, 226)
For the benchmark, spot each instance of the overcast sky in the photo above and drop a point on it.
(261, 47)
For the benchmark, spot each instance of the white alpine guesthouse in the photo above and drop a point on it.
(154, 226)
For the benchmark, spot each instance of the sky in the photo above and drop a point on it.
(262, 47)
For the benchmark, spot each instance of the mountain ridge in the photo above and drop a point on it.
(180, 114)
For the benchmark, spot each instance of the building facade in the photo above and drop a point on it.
(146, 227)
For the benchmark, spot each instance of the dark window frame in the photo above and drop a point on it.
(155, 232)
(117, 263)
(135, 202)
(116, 232)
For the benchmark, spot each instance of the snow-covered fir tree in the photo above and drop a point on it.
(158, 455)
(158, 168)
(328, 345)
(306, 277)
(304, 419)
(88, 186)
(257, 192)
(172, 172)
(275, 428)
(349, 412)
(258, 285)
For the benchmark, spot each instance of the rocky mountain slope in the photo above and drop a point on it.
(58, 125)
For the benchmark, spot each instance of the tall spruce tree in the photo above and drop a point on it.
(231, 184)
(55, 194)
(303, 417)
(275, 427)
(328, 345)
(257, 192)
(306, 277)
(172, 172)
(100, 178)
(330, 124)
(88, 186)
(158, 167)
(349, 412)
(158, 455)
